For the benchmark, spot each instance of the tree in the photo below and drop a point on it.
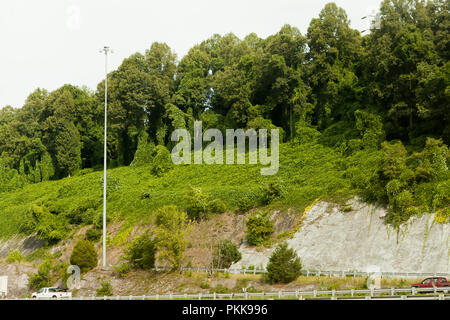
(225, 254)
(170, 234)
(84, 255)
(68, 148)
(284, 265)
(259, 229)
(141, 252)
(334, 51)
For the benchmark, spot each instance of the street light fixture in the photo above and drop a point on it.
(105, 50)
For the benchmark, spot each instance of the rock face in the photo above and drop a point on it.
(358, 240)
(17, 278)
(26, 245)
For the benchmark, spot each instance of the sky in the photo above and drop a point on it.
(48, 43)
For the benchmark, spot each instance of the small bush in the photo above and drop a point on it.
(84, 255)
(200, 205)
(225, 254)
(42, 278)
(93, 234)
(284, 265)
(259, 229)
(122, 270)
(105, 290)
(141, 252)
(205, 285)
(14, 256)
(273, 191)
(162, 161)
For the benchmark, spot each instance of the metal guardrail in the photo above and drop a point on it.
(319, 272)
(366, 294)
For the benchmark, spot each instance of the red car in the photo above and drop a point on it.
(432, 282)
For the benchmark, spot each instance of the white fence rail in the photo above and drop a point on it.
(320, 272)
(389, 293)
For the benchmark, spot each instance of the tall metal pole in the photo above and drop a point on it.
(105, 50)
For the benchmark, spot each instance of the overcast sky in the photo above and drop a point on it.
(48, 43)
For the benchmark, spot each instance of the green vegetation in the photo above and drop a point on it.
(84, 256)
(225, 254)
(105, 290)
(14, 256)
(171, 228)
(284, 265)
(140, 253)
(259, 229)
(368, 115)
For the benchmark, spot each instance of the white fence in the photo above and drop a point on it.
(390, 293)
(320, 272)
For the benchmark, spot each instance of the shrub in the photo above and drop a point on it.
(162, 161)
(144, 152)
(105, 290)
(14, 256)
(42, 278)
(225, 254)
(200, 204)
(272, 191)
(284, 265)
(170, 234)
(141, 252)
(84, 255)
(259, 229)
(246, 203)
(93, 234)
(122, 270)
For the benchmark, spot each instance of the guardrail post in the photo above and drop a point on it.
(352, 292)
(246, 295)
(318, 273)
(143, 297)
(368, 297)
(371, 292)
(441, 297)
(279, 294)
(393, 292)
(214, 296)
(296, 294)
(104, 297)
(333, 293)
(129, 298)
(403, 297)
(413, 291)
(354, 274)
(307, 273)
(315, 293)
(157, 297)
(199, 296)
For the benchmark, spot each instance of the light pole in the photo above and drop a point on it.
(105, 50)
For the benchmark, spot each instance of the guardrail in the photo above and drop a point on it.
(389, 293)
(319, 272)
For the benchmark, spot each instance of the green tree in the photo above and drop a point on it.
(170, 234)
(141, 252)
(225, 254)
(284, 265)
(259, 229)
(84, 255)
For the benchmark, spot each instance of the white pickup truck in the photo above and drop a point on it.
(52, 293)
